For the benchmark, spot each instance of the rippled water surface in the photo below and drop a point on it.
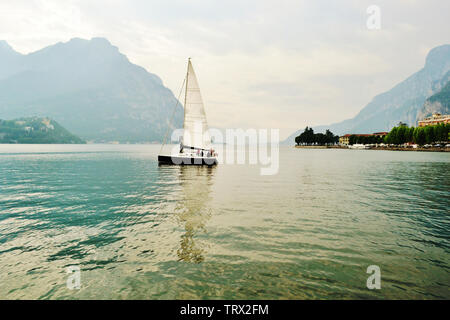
(139, 231)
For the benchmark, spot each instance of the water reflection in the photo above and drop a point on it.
(193, 211)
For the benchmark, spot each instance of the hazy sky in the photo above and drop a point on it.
(261, 64)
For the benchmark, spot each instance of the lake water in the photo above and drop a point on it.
(140, 231)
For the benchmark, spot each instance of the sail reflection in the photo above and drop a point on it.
(193, 210)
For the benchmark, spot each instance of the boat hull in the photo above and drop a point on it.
(187, 160)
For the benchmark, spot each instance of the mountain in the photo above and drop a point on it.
(438, 102)
(9, 60)
(90, 88)
(35, 130)
(403, 102)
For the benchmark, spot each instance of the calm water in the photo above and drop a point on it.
(139, 231)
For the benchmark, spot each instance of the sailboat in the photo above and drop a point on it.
(195, 147)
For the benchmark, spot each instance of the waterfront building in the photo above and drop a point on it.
(383, 133)
(344, 140)
(436, 118)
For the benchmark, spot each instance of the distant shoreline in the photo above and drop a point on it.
(321, 147)
(431, 149)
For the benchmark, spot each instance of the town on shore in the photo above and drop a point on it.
(431, 134)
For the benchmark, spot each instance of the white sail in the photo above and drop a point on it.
(196, 132)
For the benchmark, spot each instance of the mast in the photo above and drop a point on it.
(173, 113)
(185, 91)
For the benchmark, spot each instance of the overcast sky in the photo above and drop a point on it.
(260, 64)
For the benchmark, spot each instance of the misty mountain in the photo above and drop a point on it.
(404, 102)
(90, 88)
(438, 102)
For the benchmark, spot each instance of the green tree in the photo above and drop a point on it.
(401, 135)
(329, 137)
(429, 134)
(308, 137)
(419, 135)
(409, 134)
(351, 139)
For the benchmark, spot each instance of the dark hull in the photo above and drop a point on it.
(177, 160)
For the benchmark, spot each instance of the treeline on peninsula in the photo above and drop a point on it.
(35, 130)
(308, 137)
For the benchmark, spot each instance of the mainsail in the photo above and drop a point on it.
(196, 134)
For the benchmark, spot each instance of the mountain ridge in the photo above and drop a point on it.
(438, 102)
(91, 88)
(402, 102)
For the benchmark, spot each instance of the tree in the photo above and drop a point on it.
(308, 137)
(401, 134)
(352, 139)
(419, 136)
(381, 139)
(440, 133)
(329, 137)
(409, 134)
(394, 135)
(429, 134)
